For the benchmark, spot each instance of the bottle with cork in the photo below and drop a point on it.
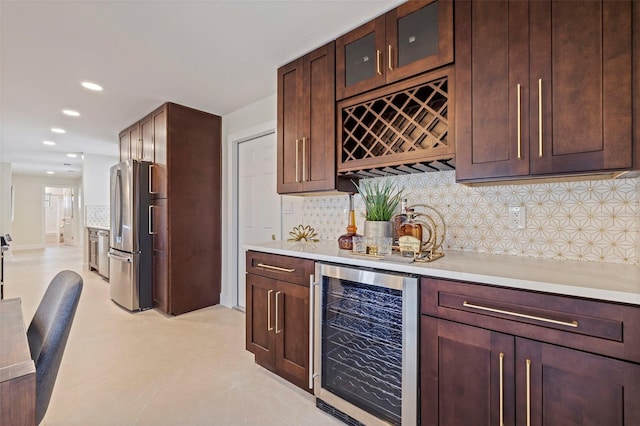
(345, 241)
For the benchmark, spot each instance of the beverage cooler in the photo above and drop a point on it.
(366, 345)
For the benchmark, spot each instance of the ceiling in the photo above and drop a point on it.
(217, 56)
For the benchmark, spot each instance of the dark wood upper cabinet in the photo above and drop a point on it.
(543, 88)
(306, 136)
(415, 37)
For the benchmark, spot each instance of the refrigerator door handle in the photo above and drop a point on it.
(118, 204)
(151, 232)
(151, 191)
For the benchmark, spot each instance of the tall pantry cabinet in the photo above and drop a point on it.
(186, 209)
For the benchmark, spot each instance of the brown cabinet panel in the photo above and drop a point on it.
(290, 103)
(415, 37)
(306, 136)
(146, 136)
(595, 326)
(359, 59)
(277, 320)
(159, 168)
(292, 332)
(319, 144)
(581, 55)
(260, 319)
(185, 145)
(569, 387)
(461, 373)
(125, 146)
(544, 88)
(160, 288)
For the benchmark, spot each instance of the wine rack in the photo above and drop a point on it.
(399, 132)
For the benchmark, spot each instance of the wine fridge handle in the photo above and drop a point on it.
(312, 311)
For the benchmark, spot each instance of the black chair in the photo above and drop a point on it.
(48, 333)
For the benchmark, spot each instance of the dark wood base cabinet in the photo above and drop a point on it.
(473, 375)
(277, 314)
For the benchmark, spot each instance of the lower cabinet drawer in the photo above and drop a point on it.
(595, 326)
(285, 268)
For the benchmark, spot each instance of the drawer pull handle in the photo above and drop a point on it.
(276, 268)
(516, 314)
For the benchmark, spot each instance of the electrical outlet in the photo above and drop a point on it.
(517, 217)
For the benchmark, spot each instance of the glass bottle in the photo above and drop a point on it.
(398, 220)
(410, 238)
(345, 241)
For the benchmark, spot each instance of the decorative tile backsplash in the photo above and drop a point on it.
(596, 221)
(96, 216)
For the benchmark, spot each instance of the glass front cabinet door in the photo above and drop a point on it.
(408, 40)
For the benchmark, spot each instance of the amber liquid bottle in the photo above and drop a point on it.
(345, 241)
(398, 220)
(410, 238)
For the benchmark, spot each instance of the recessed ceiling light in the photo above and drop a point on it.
(71, 112)
(50, 143)
(91, 86)
(58, 130)
(49, 172)
(72, 155)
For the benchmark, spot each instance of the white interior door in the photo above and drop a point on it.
(259, 212)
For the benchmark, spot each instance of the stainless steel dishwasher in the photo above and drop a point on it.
(103, 251)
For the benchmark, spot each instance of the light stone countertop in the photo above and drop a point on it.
(101, 228)
(603, 281)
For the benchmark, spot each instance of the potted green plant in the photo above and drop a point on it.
(380, 198)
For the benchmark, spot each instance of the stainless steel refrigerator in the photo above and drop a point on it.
(130, 245)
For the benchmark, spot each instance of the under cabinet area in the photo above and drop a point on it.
(503, 356)
(543, 88)
(277, 314)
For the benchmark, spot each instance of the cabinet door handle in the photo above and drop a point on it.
(269, 327)
(304, 159)
(518, 314)
(501, 389)
(277, 331)
(539, 117)
(528, 392)
(297, 161)
(151, 166)
(390, 61)
(151, 221)
(378, 61)
(276, 268)
(519, 124)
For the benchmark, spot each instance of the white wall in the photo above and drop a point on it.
(248, 121)
(5, 198)
(95, 179)
(27, 229)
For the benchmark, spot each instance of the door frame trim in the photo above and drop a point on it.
(229, 293)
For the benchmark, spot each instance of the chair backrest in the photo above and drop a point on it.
(48, 333)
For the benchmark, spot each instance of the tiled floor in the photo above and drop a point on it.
(149, 369)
